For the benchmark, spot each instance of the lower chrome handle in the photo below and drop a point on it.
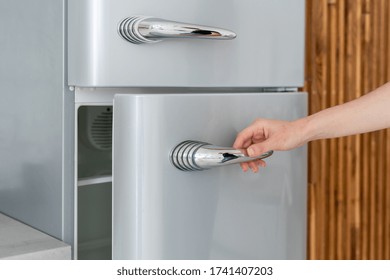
(197, 156)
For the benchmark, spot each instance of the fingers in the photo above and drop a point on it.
(244, 166)
(253, 165)
(244, 138)
(258, 149)
(248, 135)
(248, 139)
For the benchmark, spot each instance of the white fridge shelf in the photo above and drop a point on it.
(94, 180)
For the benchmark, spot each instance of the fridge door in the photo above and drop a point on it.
(161, 212)
(267, 52)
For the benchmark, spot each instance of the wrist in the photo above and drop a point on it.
(305, 127)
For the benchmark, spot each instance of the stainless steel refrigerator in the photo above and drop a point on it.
(145, 96)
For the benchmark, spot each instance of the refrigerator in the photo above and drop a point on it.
(142, 101)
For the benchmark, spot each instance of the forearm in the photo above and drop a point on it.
(368, 113)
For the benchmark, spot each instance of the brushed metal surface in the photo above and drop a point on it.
(160, 212)
(268, 50)
(36, 117)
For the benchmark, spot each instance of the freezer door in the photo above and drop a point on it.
(161, 212)
(267, 52)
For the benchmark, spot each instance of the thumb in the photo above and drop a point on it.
(259, 148)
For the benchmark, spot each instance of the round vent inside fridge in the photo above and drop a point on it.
(101, 130)
(96, 127)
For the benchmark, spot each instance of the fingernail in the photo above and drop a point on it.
(250, 152)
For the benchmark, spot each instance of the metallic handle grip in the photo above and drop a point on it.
(197, 156)
(141, 29)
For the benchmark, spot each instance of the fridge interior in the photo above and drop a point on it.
(94, 156)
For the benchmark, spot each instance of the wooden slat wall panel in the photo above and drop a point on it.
(348, 55)
(387, 156)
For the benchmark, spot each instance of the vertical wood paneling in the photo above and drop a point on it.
(341, 168)
(387, 154)
(332, 70)
(348, 55)
(366, 86)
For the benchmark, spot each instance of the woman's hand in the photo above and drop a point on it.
(365, 114)
(264, 135)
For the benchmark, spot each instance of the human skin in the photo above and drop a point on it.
(368, 113)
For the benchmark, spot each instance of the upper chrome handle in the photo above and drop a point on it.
(197, 156)
(141, 29)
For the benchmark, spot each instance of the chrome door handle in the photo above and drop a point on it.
(141, 29)
(197, 156)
